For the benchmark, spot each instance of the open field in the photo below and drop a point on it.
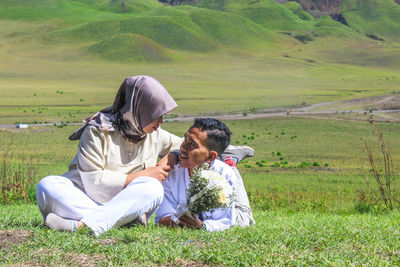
(68, 91)
(284, 147)
(63, 60)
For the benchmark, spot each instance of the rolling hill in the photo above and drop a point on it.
(283, 53)
(201, 26)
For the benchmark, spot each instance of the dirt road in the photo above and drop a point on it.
(377, 105)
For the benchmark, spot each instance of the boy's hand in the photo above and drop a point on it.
(167, 221)
(190, 222)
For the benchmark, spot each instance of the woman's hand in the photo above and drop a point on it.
(158, 172)
(169, 160)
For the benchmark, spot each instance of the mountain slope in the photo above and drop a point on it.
(202, 26)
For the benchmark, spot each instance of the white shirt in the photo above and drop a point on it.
(175, 193)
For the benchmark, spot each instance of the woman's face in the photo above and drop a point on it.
(153, 126)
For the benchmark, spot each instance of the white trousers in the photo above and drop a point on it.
(59, 195)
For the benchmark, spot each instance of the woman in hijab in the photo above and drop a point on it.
(114, 178)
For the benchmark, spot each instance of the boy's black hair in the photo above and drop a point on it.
(218, 134)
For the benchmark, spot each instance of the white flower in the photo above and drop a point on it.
(208, 190)
(215, 181)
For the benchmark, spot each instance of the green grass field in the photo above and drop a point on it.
(311, 158)
(63, 60)
(279, 238)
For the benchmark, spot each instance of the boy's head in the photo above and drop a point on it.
(204, 141)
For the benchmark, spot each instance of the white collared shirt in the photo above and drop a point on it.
(175, 193)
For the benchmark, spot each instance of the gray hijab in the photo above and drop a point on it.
(140, 100)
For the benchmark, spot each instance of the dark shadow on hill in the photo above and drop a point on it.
(374, 37)
(339, 17)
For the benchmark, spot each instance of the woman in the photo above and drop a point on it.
(114, 179)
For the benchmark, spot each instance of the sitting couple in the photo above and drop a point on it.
(115, 179)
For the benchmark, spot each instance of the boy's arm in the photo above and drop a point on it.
(220, 219)
(168, 206)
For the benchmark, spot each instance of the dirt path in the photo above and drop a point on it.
(377, 101)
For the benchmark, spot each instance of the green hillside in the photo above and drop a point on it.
(208, 26)
(136, 48)
(214, 55)
(380, 18)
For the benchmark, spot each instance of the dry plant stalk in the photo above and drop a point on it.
(384, 178)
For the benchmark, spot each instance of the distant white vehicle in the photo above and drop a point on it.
(22, 126)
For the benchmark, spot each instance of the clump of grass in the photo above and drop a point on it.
(305, 164)
(17, 177)
(362, 205)
(304, 38)
(261, 163)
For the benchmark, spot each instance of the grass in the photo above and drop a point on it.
(221, 78)
(64, 60)
(375, 17)
(285, 169)
(279, 238)
(136, 48)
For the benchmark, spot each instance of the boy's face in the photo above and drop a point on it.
(194, 151)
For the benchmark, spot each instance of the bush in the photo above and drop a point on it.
(304, 38)
(305, 164)
(260, 164)
(362, 207)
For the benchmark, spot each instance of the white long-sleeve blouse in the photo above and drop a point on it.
(104, 159)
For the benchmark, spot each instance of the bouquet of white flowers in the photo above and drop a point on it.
(207, 191)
